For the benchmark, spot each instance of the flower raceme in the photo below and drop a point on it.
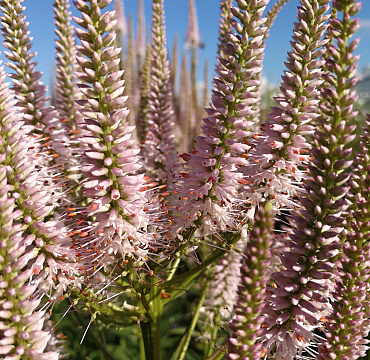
(281, 152)
(36, 256)
(210, 186)
(158, 150)
(304, 290)
(114, 187)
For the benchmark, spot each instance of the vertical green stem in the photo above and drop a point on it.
(182, 347)
(151, 329)
(209, 349)
(142, 347)
(194, 321)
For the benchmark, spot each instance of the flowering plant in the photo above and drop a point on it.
(257, 226)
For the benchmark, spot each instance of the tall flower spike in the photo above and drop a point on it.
(140, 35)
(205, 97)
(130, 73)
(193, 41)
(21, 324)
(348, 324)
(185, 107)
(66, 92)
(271, 16)
(221, 295)
(304, 287)
(282, 150)
(142, 115)
(52, 254)
(30, 94)
(28, 89)
(176, 93)
(246, 324)
(66, 89)
(209, 191)
(224, 24)
(174, 63)
(114, 187)
(193, 38)
(159, 149)
(121, 27)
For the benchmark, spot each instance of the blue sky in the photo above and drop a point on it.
(39, 14)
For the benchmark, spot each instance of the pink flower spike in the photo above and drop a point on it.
(112, 161)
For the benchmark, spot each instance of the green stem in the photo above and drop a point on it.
(142, 347)
(210, 344)
(173, 268)
(217, 355)
(184, 344)
(151, 329)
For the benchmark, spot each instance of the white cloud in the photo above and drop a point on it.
(365, 24)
